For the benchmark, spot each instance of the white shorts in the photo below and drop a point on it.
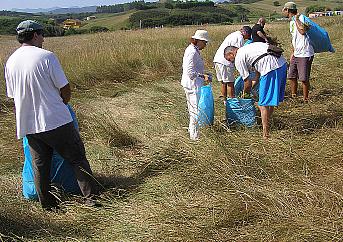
(224, 73)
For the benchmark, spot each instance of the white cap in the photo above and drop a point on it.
(201, 35)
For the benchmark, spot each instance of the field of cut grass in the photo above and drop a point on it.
(159, 186)
(110, 21)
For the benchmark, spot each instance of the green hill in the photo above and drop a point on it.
(112, 21)
(266, 7)
(136, 14)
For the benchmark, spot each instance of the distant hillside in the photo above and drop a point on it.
(268, 8)
(141, 14)
(58, 10)
(111, 21)
(15, 14)
(90, 9)
(34, 10)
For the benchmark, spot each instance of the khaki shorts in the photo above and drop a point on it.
(224, 73)
(300, 68)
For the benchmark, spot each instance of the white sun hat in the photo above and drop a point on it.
(201, 35)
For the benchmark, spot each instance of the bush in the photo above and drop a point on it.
(51, 30)
(314, 8)
(276, 3)
(96, 29)
(8, 25)
(195, 15)
(118, 8)
(187, 5)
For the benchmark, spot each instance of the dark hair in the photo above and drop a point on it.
(27, 36)
(293, 11)
(247, 30)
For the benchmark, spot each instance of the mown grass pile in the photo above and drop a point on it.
(157, 185)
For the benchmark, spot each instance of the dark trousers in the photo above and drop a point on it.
(66, 141)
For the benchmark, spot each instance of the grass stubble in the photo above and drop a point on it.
(157, 185)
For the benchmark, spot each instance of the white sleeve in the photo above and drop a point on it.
(191, 73)
(9, 87)
(240, 42)
(56, 73)
(241, 66)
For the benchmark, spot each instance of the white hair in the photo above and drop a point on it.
(229, 49)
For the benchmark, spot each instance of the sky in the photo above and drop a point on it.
(10, 4)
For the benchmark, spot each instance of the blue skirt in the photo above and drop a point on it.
(272, 87)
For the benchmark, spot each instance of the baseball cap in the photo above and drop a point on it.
(290, 5)
(28, 26)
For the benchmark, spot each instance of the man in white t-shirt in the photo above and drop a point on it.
(40, 89)
(270, 72)
(224, 69)
(303, 53)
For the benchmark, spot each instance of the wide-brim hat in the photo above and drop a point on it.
(201, 35)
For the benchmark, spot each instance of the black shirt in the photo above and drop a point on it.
(255, 37)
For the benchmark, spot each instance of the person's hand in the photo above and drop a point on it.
(208, 78)
(291, 58)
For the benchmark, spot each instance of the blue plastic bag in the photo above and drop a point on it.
(318, 36)
(61, 172)
(206, 106)
(241, 111)
(239, 85)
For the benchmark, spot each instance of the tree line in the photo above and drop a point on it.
(209, 14)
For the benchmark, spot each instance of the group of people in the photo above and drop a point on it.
(40, 89)
(270, 70)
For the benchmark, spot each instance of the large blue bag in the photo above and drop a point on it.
(61, 172)
(239, 85)
(318, 36)
(241, 111)
(206, 106)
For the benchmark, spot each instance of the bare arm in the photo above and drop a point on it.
(255, 80)
(259, 33)
(247, 85)
(300, 26)
(66, 93)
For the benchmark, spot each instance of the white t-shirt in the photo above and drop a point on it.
(234, 39)
(247, 54)
(301, 43)
(34, 77)
(192, 67)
